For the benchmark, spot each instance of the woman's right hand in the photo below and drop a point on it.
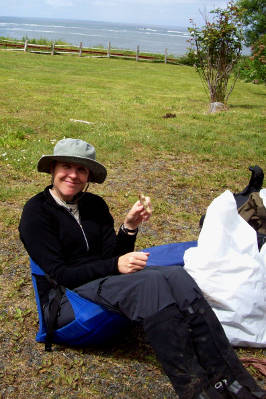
(132, 262)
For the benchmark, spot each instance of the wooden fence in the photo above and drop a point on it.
(55, 49)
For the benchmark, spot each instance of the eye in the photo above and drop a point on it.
(82, 169)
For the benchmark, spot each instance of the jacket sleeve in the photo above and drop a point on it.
(94, 208)
(116, 245)
(40, 238)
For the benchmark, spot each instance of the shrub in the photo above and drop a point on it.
(216, 48)
(253, 68)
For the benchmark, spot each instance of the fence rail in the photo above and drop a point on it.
(55, 49)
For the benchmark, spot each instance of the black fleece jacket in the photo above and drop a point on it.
(70, 253)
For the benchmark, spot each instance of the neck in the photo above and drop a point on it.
(59, 195)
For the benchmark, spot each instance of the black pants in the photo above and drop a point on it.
(137, 295)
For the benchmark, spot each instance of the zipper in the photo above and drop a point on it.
(85, 238)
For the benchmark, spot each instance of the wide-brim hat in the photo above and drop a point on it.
(78, 152)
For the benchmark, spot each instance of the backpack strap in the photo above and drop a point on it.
(60, 290)
(53, 316)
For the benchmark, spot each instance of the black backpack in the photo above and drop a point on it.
(253, 186)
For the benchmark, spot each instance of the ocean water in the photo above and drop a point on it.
(153, 39)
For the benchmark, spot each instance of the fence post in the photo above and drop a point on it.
(53, 46)
(109, 50)
(80, 49)
(137, 54)
(26, 46)
(165, 56)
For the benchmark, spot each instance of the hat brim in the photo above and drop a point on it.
(98, 171)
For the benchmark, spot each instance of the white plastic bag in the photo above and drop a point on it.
(231, 272)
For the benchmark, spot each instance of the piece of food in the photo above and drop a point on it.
(144, 203)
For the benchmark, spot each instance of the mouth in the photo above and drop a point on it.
(71, 183)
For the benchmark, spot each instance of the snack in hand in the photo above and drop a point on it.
(144, 203)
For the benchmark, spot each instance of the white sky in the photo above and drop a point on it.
(156, 12)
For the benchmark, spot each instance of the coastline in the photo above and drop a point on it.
(154, 39)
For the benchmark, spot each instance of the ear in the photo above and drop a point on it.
(89, 176)
(51, 168)
(52, 165)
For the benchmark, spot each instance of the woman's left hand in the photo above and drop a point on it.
(137, 215)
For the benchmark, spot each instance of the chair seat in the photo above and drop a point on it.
(93, 324)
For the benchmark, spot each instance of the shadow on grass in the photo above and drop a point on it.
(247, 106)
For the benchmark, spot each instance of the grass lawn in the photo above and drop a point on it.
(182, 163)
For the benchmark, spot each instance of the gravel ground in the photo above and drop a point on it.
(127, 369)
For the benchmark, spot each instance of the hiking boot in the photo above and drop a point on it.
(169, 336)
(216, 355)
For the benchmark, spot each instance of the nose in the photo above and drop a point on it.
(73, 173)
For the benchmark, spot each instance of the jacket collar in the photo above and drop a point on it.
(49, 198)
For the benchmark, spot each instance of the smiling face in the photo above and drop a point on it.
(68, 179)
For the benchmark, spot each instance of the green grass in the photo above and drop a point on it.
(182, 163)
(125, 103)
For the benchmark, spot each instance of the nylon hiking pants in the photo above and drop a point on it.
(137, 296)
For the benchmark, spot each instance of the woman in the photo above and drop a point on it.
(70, 234)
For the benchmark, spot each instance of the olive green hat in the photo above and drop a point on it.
(78, 152)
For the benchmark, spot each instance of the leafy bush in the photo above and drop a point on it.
(216, 48)
(253, 69)
(188, 58)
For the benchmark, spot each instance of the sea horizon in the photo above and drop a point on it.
(125, 36)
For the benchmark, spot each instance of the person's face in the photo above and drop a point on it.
(69, 179)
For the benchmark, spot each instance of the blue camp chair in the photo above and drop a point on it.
(94, 324)
(169, 254)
